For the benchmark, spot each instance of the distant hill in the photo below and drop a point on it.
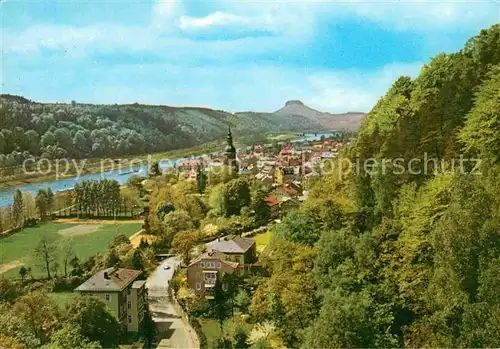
(55, 130)
(349, 120)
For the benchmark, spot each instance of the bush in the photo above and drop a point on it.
(65, 284)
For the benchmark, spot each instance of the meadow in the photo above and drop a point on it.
(262, 240)
(88, 240)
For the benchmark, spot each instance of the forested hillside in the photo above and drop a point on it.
(389, 258)
(84, 130)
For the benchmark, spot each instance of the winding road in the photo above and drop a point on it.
(174, 331)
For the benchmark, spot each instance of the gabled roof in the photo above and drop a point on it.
(286, 190)
(229, 244)
(109, 280)
(271, 200)
(214, 254)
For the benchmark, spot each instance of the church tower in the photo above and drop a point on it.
(230, 152)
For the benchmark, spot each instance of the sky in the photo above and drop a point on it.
(234, 55)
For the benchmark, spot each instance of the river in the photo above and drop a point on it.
(120, 175)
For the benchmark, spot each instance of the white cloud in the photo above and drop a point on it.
(355, 90)
(294, 22)
(214, 19)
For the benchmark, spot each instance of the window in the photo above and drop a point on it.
(108, 297)
(217, 265)
(198, 286)
(129, 305)
(129, 319)
(202, 264)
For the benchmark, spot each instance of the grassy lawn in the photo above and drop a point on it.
(62, 298)
(20, 246)
(262, 240)
(211, 329)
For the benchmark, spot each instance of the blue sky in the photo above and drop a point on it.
(234, 55)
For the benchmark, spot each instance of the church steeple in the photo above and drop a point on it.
(230, 147)
(230, 151)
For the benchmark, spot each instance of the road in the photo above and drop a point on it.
(174, 332)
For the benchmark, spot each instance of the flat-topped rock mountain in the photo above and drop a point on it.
(348, 120)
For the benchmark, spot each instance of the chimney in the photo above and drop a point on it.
(109, 272)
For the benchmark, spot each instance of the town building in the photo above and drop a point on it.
(124, 295)
(236, 248)
(203, 272)
(226, 255)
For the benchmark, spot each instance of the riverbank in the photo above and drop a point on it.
(16, 177)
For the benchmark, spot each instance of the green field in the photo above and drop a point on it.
(62, 298)
(211, 328)
(262, 240)
(19, 247)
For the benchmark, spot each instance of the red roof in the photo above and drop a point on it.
(191, 163)
(272, 200)
(287, 190)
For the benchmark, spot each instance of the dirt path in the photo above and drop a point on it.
(8, 266)
(135, 239)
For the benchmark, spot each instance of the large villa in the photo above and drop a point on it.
(226, 255)
(125, 296)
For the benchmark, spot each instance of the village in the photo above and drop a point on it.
(285, 169)
(200, 241)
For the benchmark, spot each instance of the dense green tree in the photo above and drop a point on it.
(236, 195)
(183, 243)
(177, 221)
(18, 206)
(70, 337)
(48, 139)
(400, 258)
(16, 329)
(39, 312)
(23, 271)
(219, 304)
(9, 291)
(95, 320)
(201, 179)
(32, 142)
(3, 144)
(44, 201)
(98, 198)
(164, 208)
(260, 207)
(300, 228)
(155, 170)
(482, 128)
(353, 320)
